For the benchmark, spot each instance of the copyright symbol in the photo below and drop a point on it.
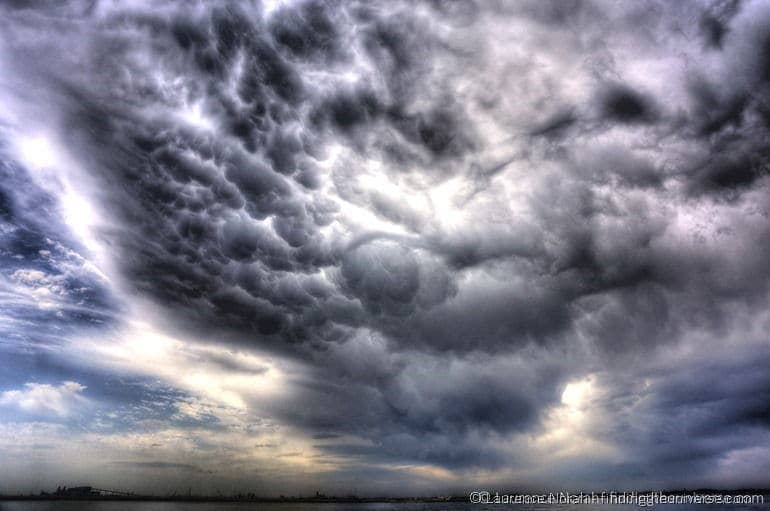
(479, 497)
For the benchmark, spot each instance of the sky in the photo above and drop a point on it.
(384, 247)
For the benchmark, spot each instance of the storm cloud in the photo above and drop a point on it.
(456, 236)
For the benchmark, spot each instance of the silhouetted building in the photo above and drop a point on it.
(77, 491)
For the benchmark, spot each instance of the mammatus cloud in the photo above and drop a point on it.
(430, 241)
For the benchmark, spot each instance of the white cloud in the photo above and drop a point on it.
(40, 398)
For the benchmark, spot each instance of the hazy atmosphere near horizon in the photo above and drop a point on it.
(384, 247)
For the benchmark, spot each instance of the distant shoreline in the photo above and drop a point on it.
(147, 498)
(326, 500)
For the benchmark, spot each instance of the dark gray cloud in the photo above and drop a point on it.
(625, 105)
(156, 465)
(446, 213)
(715, 21)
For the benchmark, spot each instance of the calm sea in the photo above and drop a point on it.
(249, 506)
